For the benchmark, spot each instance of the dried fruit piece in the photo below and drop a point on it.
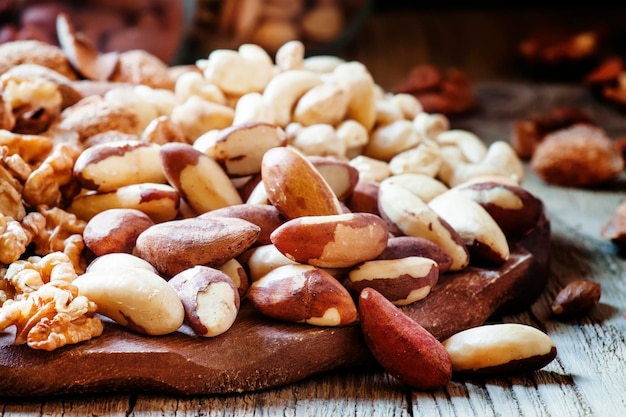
(576, 298)
(402, 346)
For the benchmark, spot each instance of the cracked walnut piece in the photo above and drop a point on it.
(47, 310)
(52, 316)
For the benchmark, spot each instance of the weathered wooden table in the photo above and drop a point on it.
(588, 378)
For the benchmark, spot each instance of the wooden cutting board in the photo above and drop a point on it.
(257, 352)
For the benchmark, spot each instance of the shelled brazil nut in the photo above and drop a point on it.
(200, 160)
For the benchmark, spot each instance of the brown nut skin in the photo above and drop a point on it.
(266, 216)
(514, 209)
(499, 349)
(402, 246)
(332, 241)
(401, 281)
(340, 175)
(303, 293)
(576, 298)
(171, 247)
(615, 228)
(402, 346)
(115, 230)
(364, 197)
(294, 186)
(210, 298)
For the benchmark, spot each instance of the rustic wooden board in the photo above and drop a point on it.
(257, 352)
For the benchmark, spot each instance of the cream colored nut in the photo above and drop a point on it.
(425, 158)
(402, 281)
(135, 298)
(290, 56)
(271, 34)
(399, 247)
(325, 103)
(294, 186)
(258, 195)
(387, 112)
(197, 116)
(322, 64)
(340, 175)
(236, 272)
(109, 166)
(408, 105)
(500, 159)
(371, 169)
(430, 125)
(354, 135)
(285, 89)
(266, 216)
(360, 84)
(471, 146)
(323, 23)
(411, 216)
(515, 209)
(262, 259)
(303, 294)
(111, 262)
(159, 201)
(125, 96)
(423, 186)
(172, 247)
(332, 241)
(389, 140)
(318, 139)
(239, 149)
(200, 180)
(161, 131)
(507, 348)
(238, 72)
(252, 108)
(481, 234)
(194, 84)
(115, 230)
(210, 298)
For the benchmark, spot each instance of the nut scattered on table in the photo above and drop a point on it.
(576, 298)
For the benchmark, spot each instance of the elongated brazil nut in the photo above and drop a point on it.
(507, 348)
(108, 166)
(174, 246)
(411, 216)
(295, 187)
(333, 241)
(303, 293)
(401, 281)
(239, 149)
(514, 209)
(159, 201)
(134, 297)
(199, 179)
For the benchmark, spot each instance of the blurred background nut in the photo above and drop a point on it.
(157, 26)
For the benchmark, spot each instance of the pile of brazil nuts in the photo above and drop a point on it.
(163, 196)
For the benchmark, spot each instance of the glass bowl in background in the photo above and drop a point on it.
(324, 26)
